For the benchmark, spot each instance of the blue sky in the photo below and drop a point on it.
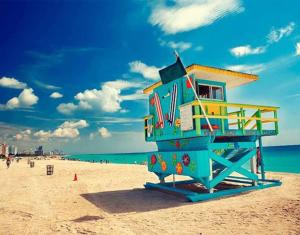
(71, 74)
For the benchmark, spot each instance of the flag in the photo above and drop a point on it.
(172, 72)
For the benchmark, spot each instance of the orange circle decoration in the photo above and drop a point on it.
(179, 168)
(163, 166)
(177, 123)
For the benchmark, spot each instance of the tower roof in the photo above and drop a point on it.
(231, 78)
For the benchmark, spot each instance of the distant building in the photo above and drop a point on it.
(4, 150)
(12, 150)
(39, 151)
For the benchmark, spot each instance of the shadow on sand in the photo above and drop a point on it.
(87, 218)
(134, 200)
(142, 200)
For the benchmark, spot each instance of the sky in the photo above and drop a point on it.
(72, 72)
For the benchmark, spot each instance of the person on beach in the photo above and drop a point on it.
(8, 161)
(258, 160)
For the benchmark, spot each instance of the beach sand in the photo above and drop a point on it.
(110, 199)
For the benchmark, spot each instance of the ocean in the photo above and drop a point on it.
(276, 158)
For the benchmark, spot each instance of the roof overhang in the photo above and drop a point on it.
(231, 78)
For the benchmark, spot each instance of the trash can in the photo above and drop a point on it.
(31, 164)
(50, 169)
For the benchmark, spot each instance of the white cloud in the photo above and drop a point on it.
(56, 95)
(66, 108)
(138, 95)
(276, 34)
(65, 133)
(79, 124)
(23, 135)
(26, 132)
(43, 134)
(69, 129)
(180, 46)
(119, 120)
(18, 136)
(186, 15)
(46, 86)
(12, 83)
(273, 65)
(252, 69)
(149, 72)
(25, 99)
(13, 103)
(106, 99)
(247, 50)
(104, 133)
(298, 48)
(121, 84)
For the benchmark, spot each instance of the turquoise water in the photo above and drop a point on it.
(278, 159)
(282, 158)
(125, 158)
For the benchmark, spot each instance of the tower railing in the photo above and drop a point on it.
(230, 118)
(242, 117)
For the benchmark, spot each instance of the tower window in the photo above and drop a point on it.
(210, 92)
(203, 91)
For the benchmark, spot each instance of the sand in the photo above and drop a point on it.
(110, 199)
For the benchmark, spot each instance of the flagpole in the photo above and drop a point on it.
(199, 101)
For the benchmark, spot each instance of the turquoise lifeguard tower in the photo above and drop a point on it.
(200, 135)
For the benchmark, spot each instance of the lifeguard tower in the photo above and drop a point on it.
(200, 135)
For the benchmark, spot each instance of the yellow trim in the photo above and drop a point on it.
(152, 87)
(207, 69)
(221, 71)
(148, 117)
(234, 113)
(224, 104)
(264, 120)
(240, 118)
(233, 123)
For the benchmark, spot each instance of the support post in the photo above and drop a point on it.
(161, 178)
(276, 122)
(242, 120)
(262, 165)
(253, 168)
(173, 180)
(259, 122)
(222, 120)
(211, 190)
(197, 120)
(239, 121)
